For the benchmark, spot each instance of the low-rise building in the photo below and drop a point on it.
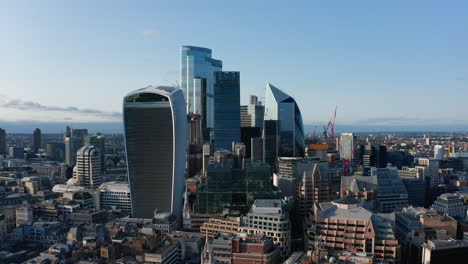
(384, 187)
(415, 226)
(47, 233)
(269, 217)
(169, 253)
(238, 249)
(214, 225)
(115, 195)
(165, 222)
(450, 204)
(346, 224)
(444, 251)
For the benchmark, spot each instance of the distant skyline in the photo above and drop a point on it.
(385, 64)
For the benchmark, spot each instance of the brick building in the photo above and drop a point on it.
(346, 225)
(241, 249)
(214, 225)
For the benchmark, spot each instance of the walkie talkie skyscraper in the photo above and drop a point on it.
(155, 124)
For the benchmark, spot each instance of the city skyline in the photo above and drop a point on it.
(204, 132)
(393, 50)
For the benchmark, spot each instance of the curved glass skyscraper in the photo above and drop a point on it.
(283, 133)
(155, 124)
(196, 62)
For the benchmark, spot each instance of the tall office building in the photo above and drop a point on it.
(37, 139)
(439, 152)
(74, 140)
(371, 156)
(399, 158)
(197, 62)
(72, 144)
(87, 172)
(283, 132)
(98, 141)
(430, 170)
(251, 116)
(287, 175)
(79, 132)
(347, 145)
(3, 145)
(226, 109)
(155, 123)
(55, 151)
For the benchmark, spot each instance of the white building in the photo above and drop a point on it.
(439, 152)
(347, 145)
(270, 218)
(87, 171)
(115, 195)
(431, 171)
(64, 188)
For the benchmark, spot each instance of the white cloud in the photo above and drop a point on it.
(151, 33)
(19, 110)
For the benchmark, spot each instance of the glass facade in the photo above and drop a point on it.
(226, 109)
(283, 133)
(197, 62)
(155, 139)
(234, 188)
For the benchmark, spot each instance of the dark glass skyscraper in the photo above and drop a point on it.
(283, 132)
(226, 109)
(155, 125)
(197, 62)
(37, 140)
(3, 145)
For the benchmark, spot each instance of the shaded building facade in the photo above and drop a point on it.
(234, 188)
(155, 138)
(37, 140)
(3, 144)
(226, 109)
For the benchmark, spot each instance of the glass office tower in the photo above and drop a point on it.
(283, 133)
(197, 62)
(155, 123)
(226, 109)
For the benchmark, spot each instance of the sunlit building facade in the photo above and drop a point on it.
(197, 62)
(283, 133)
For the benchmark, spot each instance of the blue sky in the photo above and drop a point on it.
(382, 62)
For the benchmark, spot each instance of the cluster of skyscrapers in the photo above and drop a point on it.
(206, 110)
(201, 178)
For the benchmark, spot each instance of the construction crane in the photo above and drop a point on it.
(330, 127)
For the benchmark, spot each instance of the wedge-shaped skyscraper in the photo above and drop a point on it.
(283, 133)
(155, 124)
